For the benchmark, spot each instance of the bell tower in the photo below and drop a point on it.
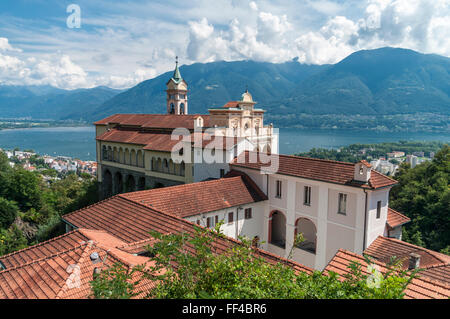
(177, 101)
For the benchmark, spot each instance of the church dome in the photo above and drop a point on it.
(247, 97)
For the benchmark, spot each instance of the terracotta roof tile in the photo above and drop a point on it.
(45, 249)
(132, 221)
(47, 277)
(310, 168)
(384, 248)
(419, 288)
(202, 197)
(157, 121)
(150, 141)
(394, 218)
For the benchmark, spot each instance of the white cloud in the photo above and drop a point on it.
(125, 43)
(253, 5)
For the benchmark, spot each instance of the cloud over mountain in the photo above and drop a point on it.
(121, 44)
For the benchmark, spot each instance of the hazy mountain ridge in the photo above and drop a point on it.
(369, 82)
(46, 102)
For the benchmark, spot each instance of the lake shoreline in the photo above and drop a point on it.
(79, 141)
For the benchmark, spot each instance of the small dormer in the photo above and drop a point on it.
(362, 171)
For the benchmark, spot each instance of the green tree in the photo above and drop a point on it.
(187, 266)
(11, 240)
(423, 194)
(115, 282)
(25, 189)
(8, 212)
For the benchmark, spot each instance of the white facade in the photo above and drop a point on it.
(318, 220)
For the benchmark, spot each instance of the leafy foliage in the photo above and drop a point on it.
(423, 194)
(201, 272)
(26, 195)
(8, 212)
(115, 282)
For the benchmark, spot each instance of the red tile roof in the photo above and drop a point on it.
(157, 121)
(384, 248)
(163, 141)
(42, 250)
(132, 221)
(440, 272)
(202, 197)
(394, 218)
(419, 288)
(231, 104)
(150, 141)
(310, 168)
(50, 276)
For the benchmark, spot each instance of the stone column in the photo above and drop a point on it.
(322, 216)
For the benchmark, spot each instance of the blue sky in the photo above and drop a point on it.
(121, 43)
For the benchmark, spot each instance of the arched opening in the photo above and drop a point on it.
(172, 108)
(165, 166)
(107, 184)
(127, 156)
(277, 229)
(153, 164)
(140, 159)
(133, 157)
(121, 155)
(110, 153)
(118, 183)
(130, 185)
(267, 149)
(104, 153)
(182, 108)
(159, 165)
(141, 183)
(308, 229)
(171, 167)
(182, 169)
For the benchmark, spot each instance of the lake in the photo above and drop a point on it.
(79, 142)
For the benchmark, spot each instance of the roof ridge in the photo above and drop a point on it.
(230, 239)
(40, 244)
(435, 254)
(175, 186)
(80, 260)
(92, 205)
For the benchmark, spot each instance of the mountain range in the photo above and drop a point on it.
(368, 82)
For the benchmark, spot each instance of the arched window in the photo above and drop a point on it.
(165, 166)
(104, 153)
(277, 229)
(172, 108)
(182, 108)
(182, 168)
(307, 228)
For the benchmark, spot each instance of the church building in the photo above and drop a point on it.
(136, 151)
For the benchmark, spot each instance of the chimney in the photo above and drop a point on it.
(414, 261)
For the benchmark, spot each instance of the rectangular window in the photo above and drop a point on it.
(248, 213)
(278, 194)
(342, 206)
(216, 219)
(378, 209)
(222, 172)
(307, 196)
(230, 217)
(208, 222)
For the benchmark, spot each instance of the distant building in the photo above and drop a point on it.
(395, 154)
